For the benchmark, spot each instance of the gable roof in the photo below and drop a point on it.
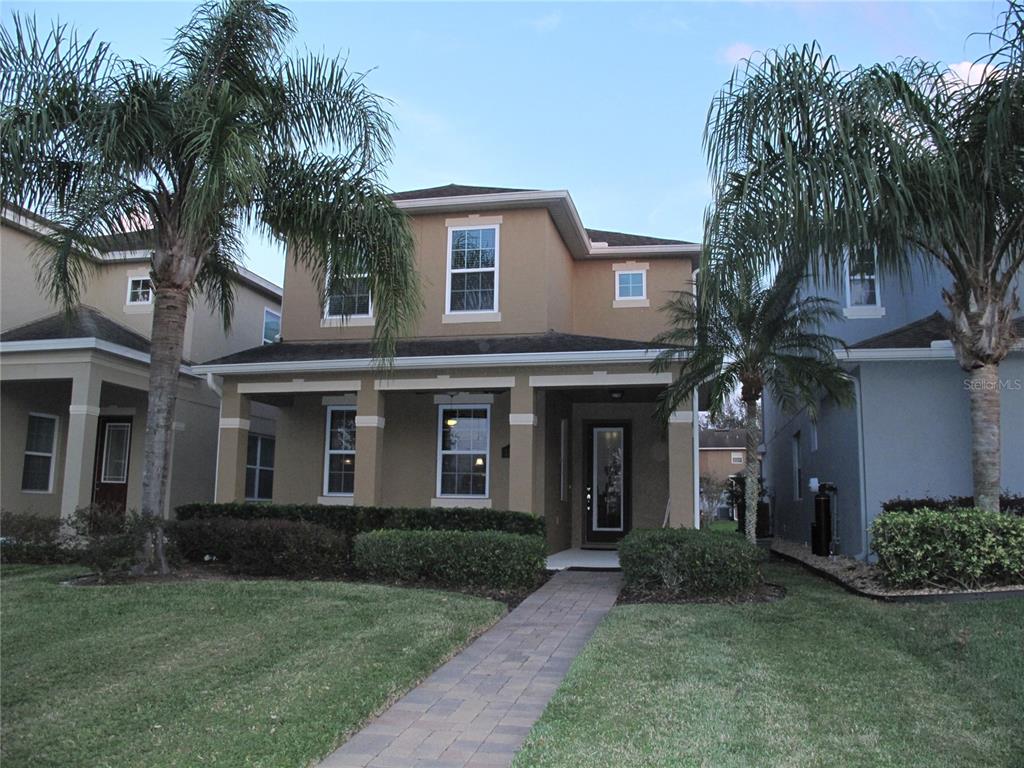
(919, 334)
(452, 190)
(723, 438)
(623, 238)
(82, 323)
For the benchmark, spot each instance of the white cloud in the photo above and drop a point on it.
(547, 22)
(970, 73)
(736, 52)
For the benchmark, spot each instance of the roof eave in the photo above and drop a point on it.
(87, 343)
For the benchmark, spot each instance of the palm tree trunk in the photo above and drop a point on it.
(750, 473)
(985, 449)
(170, 311)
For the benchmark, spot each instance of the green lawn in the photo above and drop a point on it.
(253, 673)
(822, 678)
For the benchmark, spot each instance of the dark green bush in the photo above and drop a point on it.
(965, 548)
(491, 559)
(678, 562)
(108, 538)
(351, 521)
(1014, 504)
(264, 547)
(28, 538)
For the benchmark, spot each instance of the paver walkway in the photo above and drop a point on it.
(477, 709)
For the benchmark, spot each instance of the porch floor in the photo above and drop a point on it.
(591, 559)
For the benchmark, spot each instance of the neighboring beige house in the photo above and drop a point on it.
(723, 453)
(527, 385)
(73, 388)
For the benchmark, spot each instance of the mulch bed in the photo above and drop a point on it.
(765, 593)
(868, 580)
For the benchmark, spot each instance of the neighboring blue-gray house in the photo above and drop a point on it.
(908, 433)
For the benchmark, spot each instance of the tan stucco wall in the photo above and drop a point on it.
(594, 294)
(20, 299)
(717, 463)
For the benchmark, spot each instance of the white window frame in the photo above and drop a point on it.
(495, 309)
(52, 455)
(440, 454)
(861, 311)
(630, 268)
(104, 477)
(128, 295)
(327, 316)
(798, 484)
(259, 466)
(736, 457)
(328, 452)
(618, 285)
(275, 313)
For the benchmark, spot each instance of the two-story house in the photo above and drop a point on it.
(527, 385)
(73, 389)
(908, 434)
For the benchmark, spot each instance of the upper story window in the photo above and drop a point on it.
(862, 295)
(630, 285)
(472, 284)
(350, 299)
(271, 326)
(140, 290)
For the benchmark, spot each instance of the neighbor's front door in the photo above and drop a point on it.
(113, 447)
(607, 490)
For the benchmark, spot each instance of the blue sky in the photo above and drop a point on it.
(607, 100)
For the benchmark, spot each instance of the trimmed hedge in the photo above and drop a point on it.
(965, 548)
(492, 559)
(1014, 504)
(352, 521)
(263, 547)
(31, 539)
(679, 562)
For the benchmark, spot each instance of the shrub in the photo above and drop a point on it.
(263, 547)
(1014, 504)
(966, 548)
(678, 562)
(108, 537)
(28, 538)
(492, 559)
(351, 521)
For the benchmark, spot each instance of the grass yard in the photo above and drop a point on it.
(821, 678)
(230, 673)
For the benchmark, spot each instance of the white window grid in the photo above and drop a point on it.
(349, 453)
(449, 270)
(486, 451)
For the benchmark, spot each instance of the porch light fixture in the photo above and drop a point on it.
(479, 461)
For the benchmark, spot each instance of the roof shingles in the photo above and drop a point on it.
(82, 323)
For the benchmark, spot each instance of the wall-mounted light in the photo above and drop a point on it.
(479, 461)
(616, 394)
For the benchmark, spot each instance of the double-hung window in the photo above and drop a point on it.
(259, 468)
(140, 290)
(350, 298)
(271, 326)
(463, 450)
(340, 452)
(472, 269)
(40, 442)
(862, 295)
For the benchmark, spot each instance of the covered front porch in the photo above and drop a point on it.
(580, 447)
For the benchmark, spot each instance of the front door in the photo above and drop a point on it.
(113, 447)
(609, 479)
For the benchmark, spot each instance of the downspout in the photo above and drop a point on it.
(863, 555)
(694, 405)
(211, 382)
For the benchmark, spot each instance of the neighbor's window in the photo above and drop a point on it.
(862, 280)
(140, 291)
(798, 473)
(37, 471)
(464, 456)
(631, 285)
(259, 468)
(271, 326)
(340, 458)
(737, 457)
(472, 269)
(350, 299)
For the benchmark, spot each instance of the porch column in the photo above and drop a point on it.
(522, 421)
(369, 446)
(232, 444)
(80, 446)
(680, 469)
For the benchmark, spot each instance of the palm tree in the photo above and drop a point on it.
(745, 330)
(904, 162)
(230, 133)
